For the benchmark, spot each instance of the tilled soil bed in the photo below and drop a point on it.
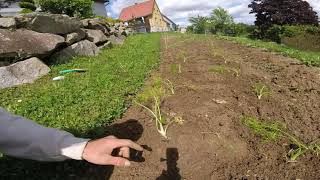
(213, 143)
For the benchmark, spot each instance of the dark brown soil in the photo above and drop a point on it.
(213, 143)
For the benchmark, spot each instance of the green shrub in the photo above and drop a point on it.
(29, 1)
(28, 4)
(109, 19)
(274, 33)
(75, 8)
(26, 11)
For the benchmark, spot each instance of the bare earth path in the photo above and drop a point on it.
(212, 143)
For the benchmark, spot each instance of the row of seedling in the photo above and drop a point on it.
(151, 100)
(274, 131)
(221, 69)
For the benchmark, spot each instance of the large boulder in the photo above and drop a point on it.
(82, 48)
(22, 72)
(22, 44)
(96, 36)
(106, 45)
(8, 23)
(116, 40)
(96, 24)
(54, 23)
(75, 36)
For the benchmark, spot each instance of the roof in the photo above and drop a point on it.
(167, 19)
(137, 11)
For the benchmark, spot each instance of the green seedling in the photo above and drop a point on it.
(170, 85)
(191, 87)
(260, 90)
(219, 69)
(236, 71)
(182, 56)
(151, 100)
(175, 68)
(275, 131)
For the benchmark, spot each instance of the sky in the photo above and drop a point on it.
(180, 10)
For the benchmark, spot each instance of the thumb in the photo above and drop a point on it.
(118, 161)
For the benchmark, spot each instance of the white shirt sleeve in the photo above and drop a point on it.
(23, 138)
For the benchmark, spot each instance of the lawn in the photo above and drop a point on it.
(309, 58)
(87, 101)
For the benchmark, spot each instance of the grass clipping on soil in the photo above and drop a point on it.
(151, 99)
(273, 131)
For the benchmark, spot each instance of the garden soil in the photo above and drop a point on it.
(212, 143)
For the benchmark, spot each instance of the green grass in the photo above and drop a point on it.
(309, 58)
(89, 100)
(82, 103)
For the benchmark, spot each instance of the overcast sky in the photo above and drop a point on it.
(180, 10)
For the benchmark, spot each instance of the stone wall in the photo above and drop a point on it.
(51, 39)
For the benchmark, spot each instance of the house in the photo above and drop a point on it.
(99, 8)
(146, 17)
(170, 23)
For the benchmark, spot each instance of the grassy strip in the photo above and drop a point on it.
(309, 58)
(83, 102)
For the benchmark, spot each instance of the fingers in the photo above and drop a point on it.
(128, 143)
(124, 152)
(118, 161)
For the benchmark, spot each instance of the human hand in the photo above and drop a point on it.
(99, 151)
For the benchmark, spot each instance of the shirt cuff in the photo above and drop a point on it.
(75, 151)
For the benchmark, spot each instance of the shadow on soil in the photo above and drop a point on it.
(12, 168)
(172, 171)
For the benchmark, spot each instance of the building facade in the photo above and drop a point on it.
(145, 17)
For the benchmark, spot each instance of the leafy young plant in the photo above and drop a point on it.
(274, 131)
(260, 90)
(219, 69)
(151, 100)
(170, 85)
(175, 68)
(182, 56)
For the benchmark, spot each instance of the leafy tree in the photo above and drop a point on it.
(75, 8)
(220, 21)
(282, 12)
(199, 24)
(27, 4)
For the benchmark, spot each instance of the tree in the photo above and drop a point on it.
(74, 8)
(199, 24)
(220, 20)
(282, 12)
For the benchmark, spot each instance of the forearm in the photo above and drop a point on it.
(23, 138)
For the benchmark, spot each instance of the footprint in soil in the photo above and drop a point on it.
(172, 172)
